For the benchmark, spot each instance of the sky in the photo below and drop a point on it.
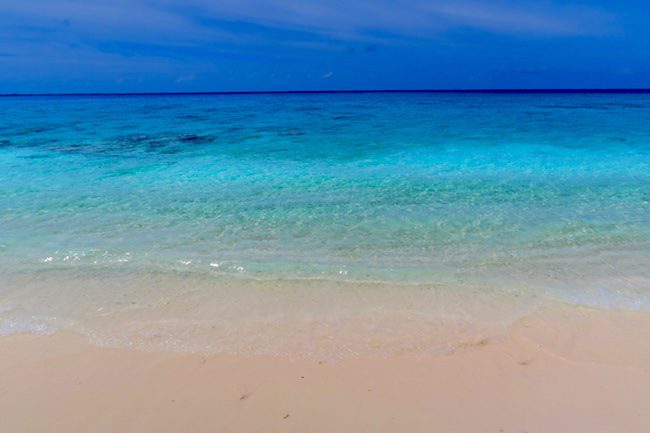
(87, 46)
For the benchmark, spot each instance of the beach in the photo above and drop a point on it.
(373, 262)
(568, 369)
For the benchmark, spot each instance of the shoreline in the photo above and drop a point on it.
(567, 369)
(323, 319)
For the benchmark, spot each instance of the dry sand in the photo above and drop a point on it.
(566, 370)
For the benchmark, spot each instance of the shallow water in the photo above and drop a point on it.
(514, 199)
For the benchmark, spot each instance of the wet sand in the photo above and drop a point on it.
(561, 370)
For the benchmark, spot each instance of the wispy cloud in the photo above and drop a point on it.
(220, 40)
(192, 28)
(195, 19)
(415, 17)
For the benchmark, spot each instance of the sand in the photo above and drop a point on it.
(567, 370)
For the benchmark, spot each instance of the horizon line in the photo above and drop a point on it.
(288, 92)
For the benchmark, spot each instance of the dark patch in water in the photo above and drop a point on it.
(37, 156)
(192, 117)
(72, 148)
(357, 117)
(309, 108)
(291, 133)
(197, 138)
(39, 129)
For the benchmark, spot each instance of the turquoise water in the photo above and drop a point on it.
(539, 194)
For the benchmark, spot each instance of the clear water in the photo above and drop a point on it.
(490, 195)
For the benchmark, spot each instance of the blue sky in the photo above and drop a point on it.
(238, 45)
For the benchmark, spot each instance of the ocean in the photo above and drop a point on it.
(332, 224)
